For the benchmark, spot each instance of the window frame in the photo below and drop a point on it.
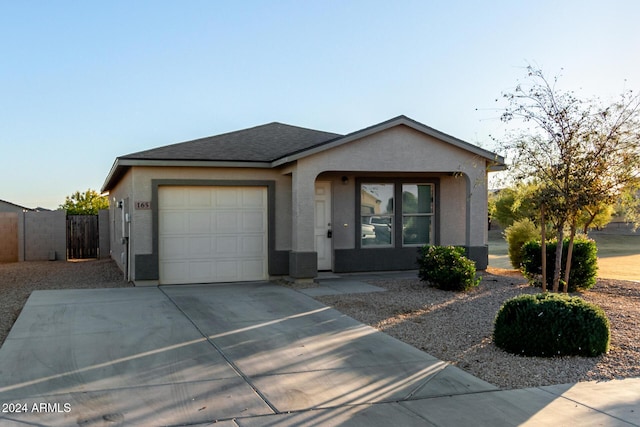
(430, 215)
(397, 239)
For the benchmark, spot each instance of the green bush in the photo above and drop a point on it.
(549, 325)
(446, 267)
(584, 262)
(517, 235)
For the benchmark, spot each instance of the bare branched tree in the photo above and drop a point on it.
(583, 153)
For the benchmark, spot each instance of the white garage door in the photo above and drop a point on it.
(212, 234)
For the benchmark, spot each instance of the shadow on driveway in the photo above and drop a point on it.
(252, 354)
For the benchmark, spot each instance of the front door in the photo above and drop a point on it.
(322, 228)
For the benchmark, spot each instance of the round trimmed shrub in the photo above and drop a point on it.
(548, 325)
(446, 267)
(584, 262)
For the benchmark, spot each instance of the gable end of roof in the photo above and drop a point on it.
(493, 158)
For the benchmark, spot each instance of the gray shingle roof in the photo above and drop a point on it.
(264, 143)
(270, 145)
(11, 207)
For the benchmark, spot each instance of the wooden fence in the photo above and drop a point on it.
(82, 236)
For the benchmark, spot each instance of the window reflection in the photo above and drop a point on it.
(417, 214)
(378, 214)
(377, 210)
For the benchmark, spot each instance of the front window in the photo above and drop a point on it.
(417, 214)
(385, 207)
(377, 214)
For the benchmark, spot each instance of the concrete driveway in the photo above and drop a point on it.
(179, 355)
(253, 354)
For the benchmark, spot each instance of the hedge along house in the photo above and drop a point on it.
(283, 200)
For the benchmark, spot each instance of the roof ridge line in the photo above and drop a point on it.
(228, 134)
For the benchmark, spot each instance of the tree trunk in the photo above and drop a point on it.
(592, 216)
(558, 264)
(544, 249)
(567, 268)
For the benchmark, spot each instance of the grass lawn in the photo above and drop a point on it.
(618, 254)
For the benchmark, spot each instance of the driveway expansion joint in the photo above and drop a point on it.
(224, 356)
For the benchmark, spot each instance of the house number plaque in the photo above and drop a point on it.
(143, 205)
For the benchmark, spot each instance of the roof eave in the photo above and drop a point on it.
(115, 173)
(497, 166)
(122, 164)
(24, 208)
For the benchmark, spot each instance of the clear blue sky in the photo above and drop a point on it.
(82, 82)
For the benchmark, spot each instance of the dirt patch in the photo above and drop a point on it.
(19, 279)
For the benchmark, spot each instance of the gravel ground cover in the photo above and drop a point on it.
(457, 327)
(19, 279)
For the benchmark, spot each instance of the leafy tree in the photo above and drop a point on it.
(628, 205)
(87, 203)
(514, 204)
(520, 202)
(583, 153)
(595, 216)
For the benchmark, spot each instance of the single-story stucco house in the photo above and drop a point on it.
(284, 200)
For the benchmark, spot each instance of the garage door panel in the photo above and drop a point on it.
(226, 246)
(227, 197)
(199, 271)
(252, 244)
(172, 222)
(199, 197)
(199, 247)
(227, 222)
(219, 234)
(252, 197)
(227, 269)
(173, 271)
(253, 221)
(199, 222)
(173, 248)
(253, 267)
(172, 197)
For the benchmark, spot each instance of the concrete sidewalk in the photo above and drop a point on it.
(253, 354)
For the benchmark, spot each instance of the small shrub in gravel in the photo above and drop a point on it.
(516, 235)
(446, 267)
(548, 325)
(584, 262)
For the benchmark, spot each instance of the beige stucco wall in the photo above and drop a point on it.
(137, 185)
(453, 206)
(399, 150)
(122, 191)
